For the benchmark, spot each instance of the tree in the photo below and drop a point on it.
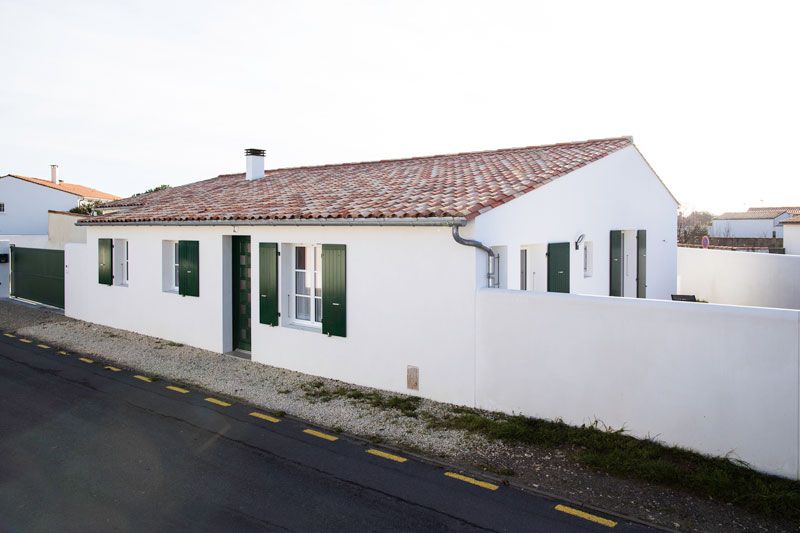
(85, 207)
(694, 225)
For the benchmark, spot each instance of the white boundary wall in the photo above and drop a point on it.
(740, 278)
(717, 379)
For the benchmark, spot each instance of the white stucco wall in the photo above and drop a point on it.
(757, 228)
(26, 206)
(740, 278)
(713, 378)
(410, 301)
(618, 192)
(791, 238)
(61, 229)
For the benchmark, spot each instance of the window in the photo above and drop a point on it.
(588, 259)
(307, 288)
(2, 207)
(170, 266)
(121, 264)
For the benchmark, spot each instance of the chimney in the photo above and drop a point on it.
(54, 173)
(255, 163)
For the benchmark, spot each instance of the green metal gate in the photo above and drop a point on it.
(38, 275)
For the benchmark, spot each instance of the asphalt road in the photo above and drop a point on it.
(87, 448)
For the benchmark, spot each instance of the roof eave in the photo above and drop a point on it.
(408, 221)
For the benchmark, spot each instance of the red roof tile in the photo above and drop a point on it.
(455, 185)
(72, 188)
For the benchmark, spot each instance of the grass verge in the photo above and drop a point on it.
(407, 405)
(621, 455)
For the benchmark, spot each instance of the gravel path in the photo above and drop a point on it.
(322, 401)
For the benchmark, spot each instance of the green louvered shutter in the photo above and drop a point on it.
(334, 290)
(189, 268)
(268, 283)
(105, 261)
(641, 263)
(615, 267)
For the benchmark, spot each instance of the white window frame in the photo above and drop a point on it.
(169, 266)
(316, 271)
(121, 265)
(176, 266)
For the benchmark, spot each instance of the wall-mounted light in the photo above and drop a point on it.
(579, 241)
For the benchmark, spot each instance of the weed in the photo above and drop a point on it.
(611, 451)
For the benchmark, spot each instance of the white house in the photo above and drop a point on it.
(368, 272)
(791, 235)
(756, 222)
(25, 203)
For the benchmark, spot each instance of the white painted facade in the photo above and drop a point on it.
(713, 378)
(740, 278)
(25, 206)
(791, 238)
(749, 228)
(617, 192)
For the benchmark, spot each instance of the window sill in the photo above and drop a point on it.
(170, 291)
(301, 327)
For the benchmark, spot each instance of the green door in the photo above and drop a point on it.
(241, 293)
(558, 267)
(641, 263)
(615, 267)
(38, 275)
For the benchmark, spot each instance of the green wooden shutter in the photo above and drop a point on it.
(268, 283)
(558, 267)
(641, 263)
(615, 267)
(105, 261)
(189, 268)
(334, 290)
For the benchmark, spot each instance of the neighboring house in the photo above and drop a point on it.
(756, 222)
(369, 272)
(25, 202)
(791, 235)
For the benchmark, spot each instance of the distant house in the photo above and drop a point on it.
(756, 222)
(791, 235)
(356, 270)
(30, 207)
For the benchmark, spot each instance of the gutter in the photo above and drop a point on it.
(493, 259)
(428, 221)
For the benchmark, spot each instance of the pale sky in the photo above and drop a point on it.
(128, 95)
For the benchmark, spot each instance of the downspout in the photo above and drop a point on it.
(491, 270)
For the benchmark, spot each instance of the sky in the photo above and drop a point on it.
(125, 96)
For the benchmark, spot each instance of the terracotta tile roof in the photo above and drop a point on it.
(72, 188)
(455, 185)
(750, 215)
(794, 220)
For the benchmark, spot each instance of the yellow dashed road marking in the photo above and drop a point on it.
(218, 402)
(320, 434)
(43, 346)
(112, 368)
(177, 389)
(262, 416)
(389, 456)
(62, 352)
(144, 378)
(26, 341)
(85, 360)
(472, 481)
(586, 516)
(9, 335)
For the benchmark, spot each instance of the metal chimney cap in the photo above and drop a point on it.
(255, 151)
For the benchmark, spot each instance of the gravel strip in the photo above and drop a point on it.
(314, 399)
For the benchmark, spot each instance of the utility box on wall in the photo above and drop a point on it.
(5, 268)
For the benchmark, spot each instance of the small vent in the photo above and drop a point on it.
(412, 377)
